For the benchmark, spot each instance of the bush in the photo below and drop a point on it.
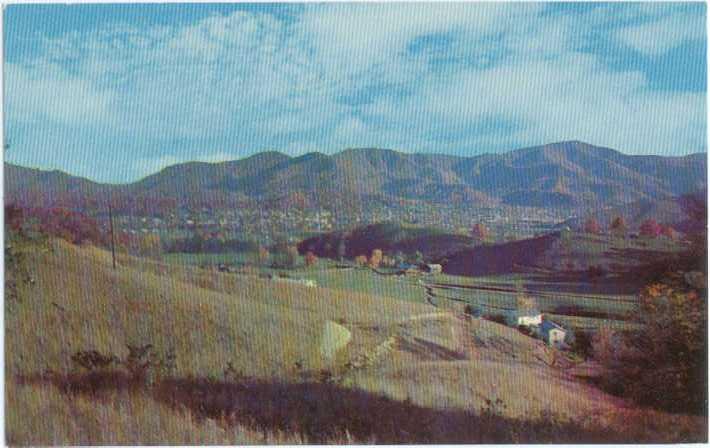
(527, 331)
(498, 318)
(142, 365)
(310, 259)
(582, 343)
(596, 272)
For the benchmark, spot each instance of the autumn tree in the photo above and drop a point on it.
(150, 245)
(14, 217)
(375, 258)
(668, 232)
(667, 351)
(480, 232)
(361, 260)
(618, 226)
(591, 225)
(72, 226)
(263, 255)
(310, 259)
(650, 228)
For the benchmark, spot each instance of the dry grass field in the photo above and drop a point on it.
(257, 341)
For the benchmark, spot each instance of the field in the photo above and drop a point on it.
(225, 332)
(572, 298)
(199, 259)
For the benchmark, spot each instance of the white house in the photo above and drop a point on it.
(552, 333)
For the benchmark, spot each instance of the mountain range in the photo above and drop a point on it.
(569, 173)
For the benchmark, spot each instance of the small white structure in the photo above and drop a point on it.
(525, 318)
(530, 318)
(433, 268)
(553, 333)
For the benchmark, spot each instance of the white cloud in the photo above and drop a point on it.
(258, 81)
(661, 35)
(43, 91)
(146, 166)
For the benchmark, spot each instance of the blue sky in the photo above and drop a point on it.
(116, 92)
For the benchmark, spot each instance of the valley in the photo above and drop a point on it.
(421, 307)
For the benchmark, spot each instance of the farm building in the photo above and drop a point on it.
(528, 318)
(524, 317)
(553, 333)
(433, 268)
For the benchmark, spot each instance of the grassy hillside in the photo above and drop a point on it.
(389, 237)
(562, 255)
(409, 373)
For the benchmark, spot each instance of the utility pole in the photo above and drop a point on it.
(113, 241)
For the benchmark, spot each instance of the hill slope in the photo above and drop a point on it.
(389, 237)
(561, 252)
(435, 366)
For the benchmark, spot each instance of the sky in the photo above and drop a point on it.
(117, 92)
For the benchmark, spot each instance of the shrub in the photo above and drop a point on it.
(92, 360)
(618, 226)
(650, 228)
(592, 226)
(498, 318)
(310, 259)
(527, 331)
(375, 258)
(143, 364)
(596, 271)
(582, 343)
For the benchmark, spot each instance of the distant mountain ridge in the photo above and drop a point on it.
(558, 174)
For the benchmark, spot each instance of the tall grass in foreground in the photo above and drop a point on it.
(42, 415)
(111, 407)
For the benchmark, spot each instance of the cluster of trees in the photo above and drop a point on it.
(649, 228)
(59, 222)
(77, 228)
(413, 244)
(664, 363)
(283, 256)
(378, 258)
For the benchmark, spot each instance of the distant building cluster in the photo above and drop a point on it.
(269, 225)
